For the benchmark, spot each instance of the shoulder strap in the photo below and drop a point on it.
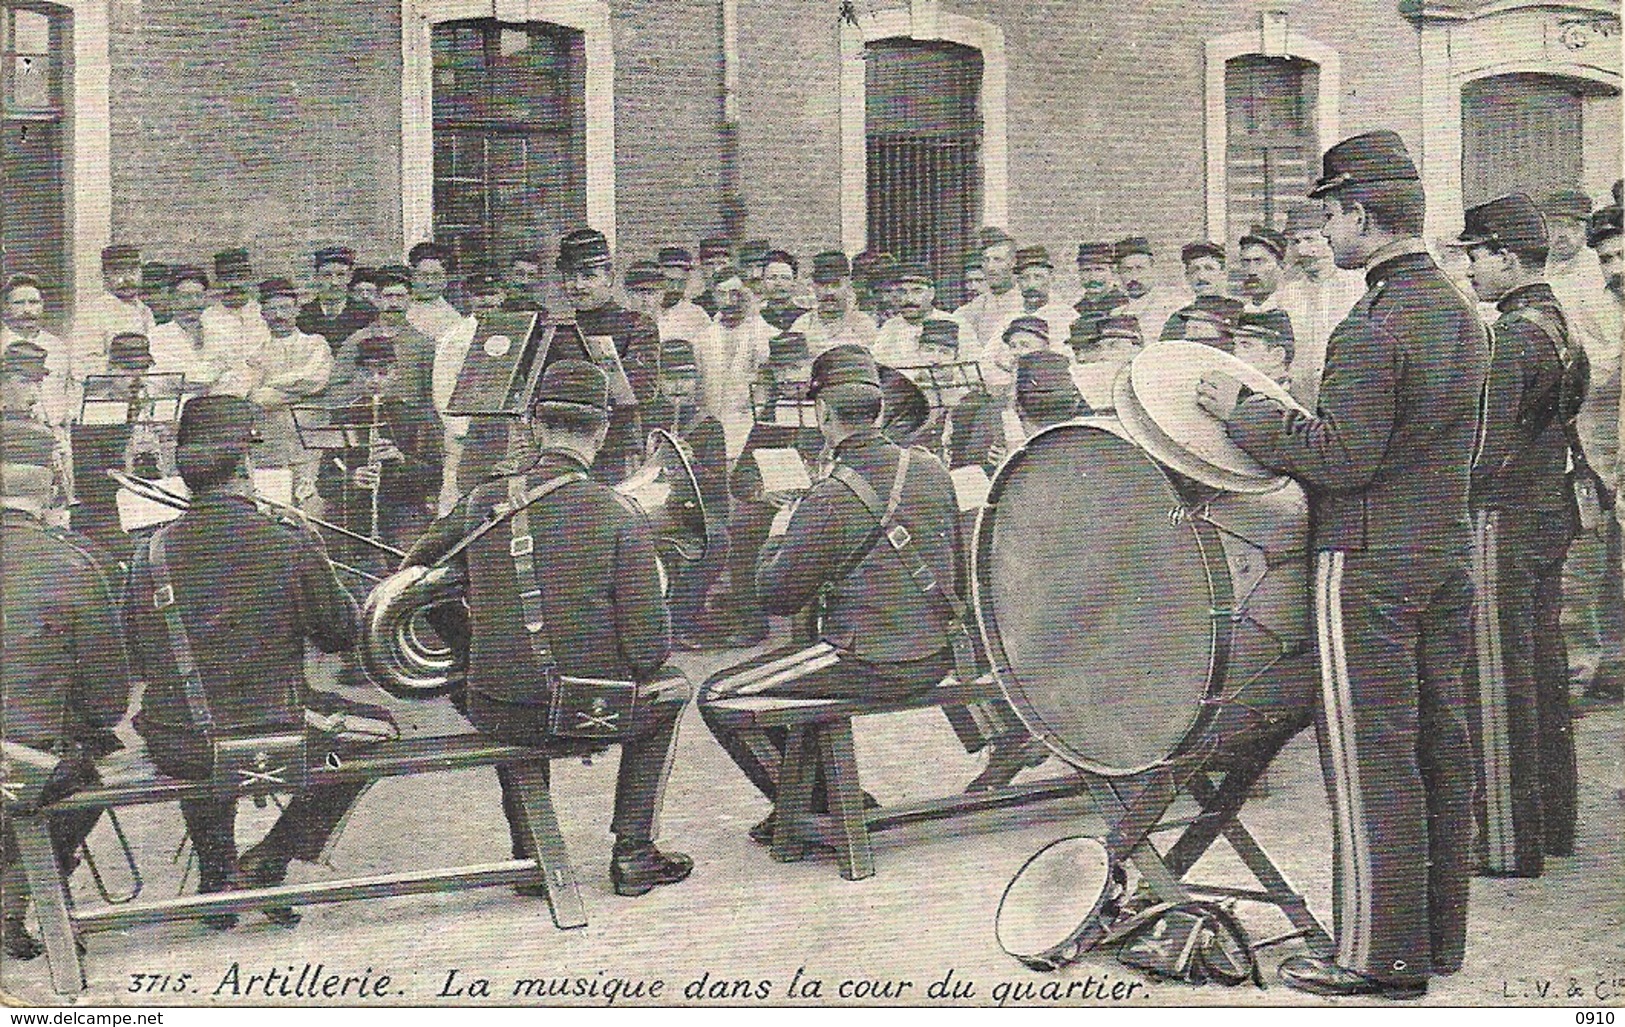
(1552, 327)
(522, 548)
(180, 643)
(901, 541)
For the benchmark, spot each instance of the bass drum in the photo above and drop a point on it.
(1133, 615)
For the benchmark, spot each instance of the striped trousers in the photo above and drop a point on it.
(1524, 739)
(1392, 637)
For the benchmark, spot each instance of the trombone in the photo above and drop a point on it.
(154, 492)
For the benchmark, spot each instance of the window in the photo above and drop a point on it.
(35, 42)
(923, 133)
(509, 137)
(1270, 144)
(1521, 133)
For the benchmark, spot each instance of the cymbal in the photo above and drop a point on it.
(1156, 403)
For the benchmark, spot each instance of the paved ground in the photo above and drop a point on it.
(751, 924)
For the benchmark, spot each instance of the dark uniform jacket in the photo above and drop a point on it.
(1386, 458)
(64, 674)
(876, 612)
(351, 318)
(1522, 464)
(251, 592)
(596, 566)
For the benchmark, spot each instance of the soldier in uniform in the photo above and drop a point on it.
(1204, 272)
(895, 622)
(333, 313)
(65, 681)
(219, 606)
(1097, 272)
(1525, 519)
(589, 284)
(597, 611)
(1386, 461)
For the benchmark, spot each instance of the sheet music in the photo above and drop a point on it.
(782, 470)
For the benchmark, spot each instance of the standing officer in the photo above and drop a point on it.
(589, 606)
(1386, 461)
(891, 610)
(65, 681)
(1525, 519)
(589, 284)
(219, 605)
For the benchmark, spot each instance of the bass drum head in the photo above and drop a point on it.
(1096, 600)
(1048, 908)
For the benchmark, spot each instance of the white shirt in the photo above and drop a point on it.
(988, 313)
(432, 317)
(282, 373)
(1154, 309)
(175, 351)
(58, 401)
(94, 326)
(231, 336)
(728, 362)
(1315, 309)
(852, 328)
(1592, 316)
(685, 320)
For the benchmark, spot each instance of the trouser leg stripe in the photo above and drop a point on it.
(1358, 825)
(1338, 726)
(1492, 700)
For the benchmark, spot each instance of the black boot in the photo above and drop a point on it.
(18, 943)
(638, 867)
(261, 869)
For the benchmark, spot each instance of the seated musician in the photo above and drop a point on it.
(596, 605)
(892, 639)
(1101, 345)
(219, 606)
(985, 424)
(65, 681)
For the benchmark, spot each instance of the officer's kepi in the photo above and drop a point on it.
(1511, 222)
(225, 421)
(1378, 156)
(843, 365)
(574, 383)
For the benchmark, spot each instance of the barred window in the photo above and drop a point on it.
(1271, 149)
(35, 40)
(924, 141)
(509, 137)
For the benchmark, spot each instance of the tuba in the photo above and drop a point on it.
(415, 622)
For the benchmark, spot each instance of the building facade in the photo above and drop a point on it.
(188, 126)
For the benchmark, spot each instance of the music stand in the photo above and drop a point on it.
(782, 403)
(946, 384)
(111, 399)
(318, 430)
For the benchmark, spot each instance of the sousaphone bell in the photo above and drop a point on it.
(415, 623)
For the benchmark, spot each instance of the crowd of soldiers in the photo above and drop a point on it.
(714, 348)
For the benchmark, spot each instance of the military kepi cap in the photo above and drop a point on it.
(584, 248)
(120, 255)
(129, 351)
(24, 442)
(1032, 256)
(274, 287)
(1511, 222)
(24, 359)
(1095, 253)
(334, 255)
(643, 274)
(1269, 238)
(830, 266)
(674, 256)
(1605, 224)
(1364, 159)
(231, 264)
(1028, 324)
(1567, 203)
(1131, 245)
(226, 421)
(843, 365)
(574, 382)
(1043, 371)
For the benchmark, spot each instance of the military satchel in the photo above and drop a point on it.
(601, 709)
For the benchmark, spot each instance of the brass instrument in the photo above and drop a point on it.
(151, 490)
(415, 622)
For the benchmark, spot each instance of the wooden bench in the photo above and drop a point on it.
(61, 923)
(820, 736)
